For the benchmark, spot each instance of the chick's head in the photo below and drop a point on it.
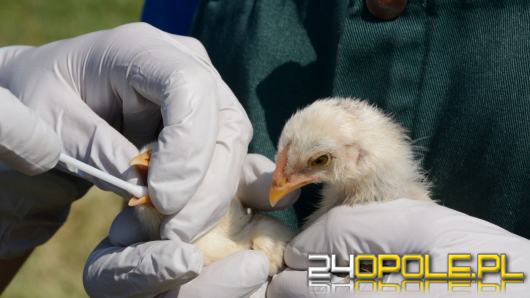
(347, 144)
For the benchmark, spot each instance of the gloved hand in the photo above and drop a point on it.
(126, 265)
(27, 144)
(402, 226)
(105, 92)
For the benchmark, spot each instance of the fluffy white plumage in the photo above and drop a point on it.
(370, 156)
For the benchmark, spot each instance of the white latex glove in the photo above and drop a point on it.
(104, 91)
(162, 265)
(27, 144)
(398, 227)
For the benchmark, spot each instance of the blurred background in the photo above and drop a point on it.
(55, 268)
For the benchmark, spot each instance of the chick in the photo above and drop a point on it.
(238, 230)
(357, 151)
(360, 155)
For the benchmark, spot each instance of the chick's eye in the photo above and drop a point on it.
(321, 160)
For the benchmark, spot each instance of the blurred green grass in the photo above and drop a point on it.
(39, 21)
(55, 268)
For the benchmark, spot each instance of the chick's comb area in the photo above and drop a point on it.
(141, 164)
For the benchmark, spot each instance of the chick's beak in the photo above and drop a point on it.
(281, 186)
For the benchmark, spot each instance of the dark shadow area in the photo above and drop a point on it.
(288, 88)
(292, 86)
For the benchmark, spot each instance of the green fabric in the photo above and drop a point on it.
(455, 73)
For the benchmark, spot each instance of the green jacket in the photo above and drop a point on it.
(456, 73)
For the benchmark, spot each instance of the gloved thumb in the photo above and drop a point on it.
(27, 143)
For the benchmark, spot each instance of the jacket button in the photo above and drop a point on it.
(386, 9)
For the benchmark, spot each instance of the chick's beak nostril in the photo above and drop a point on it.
(277, 186)
(279, 181)
(281, 185)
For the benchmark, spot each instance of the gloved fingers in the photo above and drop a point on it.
(255, 183)
(186, 89)
(126, 229)
(195, 46)
(140, 270)
(219, 187)
(133, 76)
(104, 147)
(236, 276)
(398, 227)
(84, 135)
(27, 143)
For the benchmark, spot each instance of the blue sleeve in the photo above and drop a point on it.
(174, 16)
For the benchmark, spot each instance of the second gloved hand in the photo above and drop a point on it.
(163, 265)
(401, 226)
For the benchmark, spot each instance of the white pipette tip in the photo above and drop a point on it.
(135, 190)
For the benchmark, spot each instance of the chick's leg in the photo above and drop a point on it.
(144, 209)
(271, 237)
(141, 164)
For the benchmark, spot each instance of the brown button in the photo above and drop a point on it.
(386, 9)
